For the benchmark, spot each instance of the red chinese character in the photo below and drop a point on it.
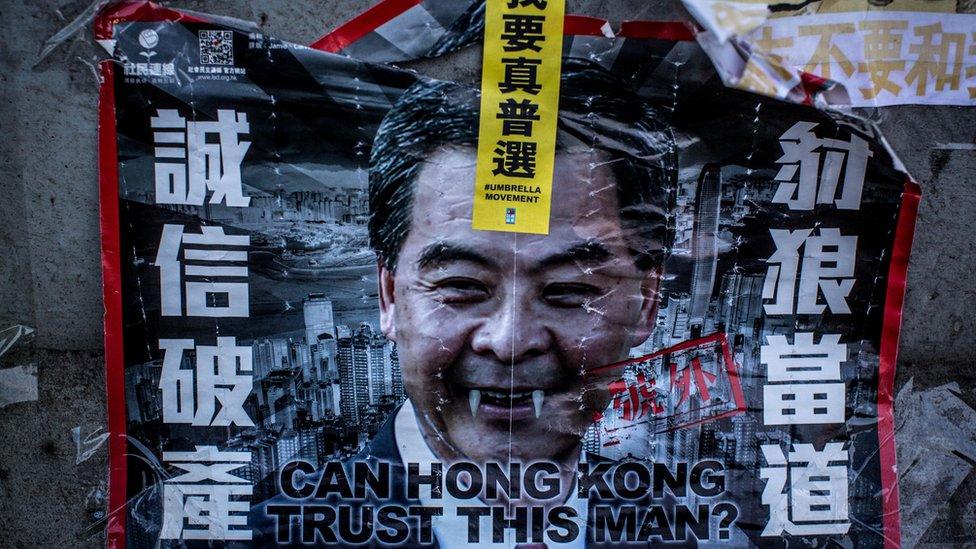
(682, 381)
(636, 400)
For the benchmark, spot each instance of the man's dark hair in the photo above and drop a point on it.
(595, 109)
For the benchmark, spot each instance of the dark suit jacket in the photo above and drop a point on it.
(383, 448)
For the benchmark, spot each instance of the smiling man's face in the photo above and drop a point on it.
(496, 332)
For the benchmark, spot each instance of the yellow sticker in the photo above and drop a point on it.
(519, 107)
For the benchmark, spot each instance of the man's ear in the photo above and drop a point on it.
(650, 296)
(386, 291)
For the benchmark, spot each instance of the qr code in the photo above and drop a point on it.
(217, 47)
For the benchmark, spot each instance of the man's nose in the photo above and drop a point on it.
(513, 332)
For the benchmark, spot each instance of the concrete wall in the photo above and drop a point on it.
(50, 272)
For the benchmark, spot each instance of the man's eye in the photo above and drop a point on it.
(569, 295)
(462, 290)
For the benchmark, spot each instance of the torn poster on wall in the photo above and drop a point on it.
(307, 341)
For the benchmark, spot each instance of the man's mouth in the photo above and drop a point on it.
(517, 404)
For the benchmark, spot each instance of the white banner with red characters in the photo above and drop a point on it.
(865, 58)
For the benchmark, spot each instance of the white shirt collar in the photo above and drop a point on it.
(450, 529)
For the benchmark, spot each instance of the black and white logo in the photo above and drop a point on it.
(148, 39)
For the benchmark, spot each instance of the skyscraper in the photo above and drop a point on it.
(319, 319)
(704, 245)
(396, 374)
(288, 446)
(591, 439)
(319, 326)
(741, 303)
(271, 355)
(747, 446)
(347, 381)
(360, 368)
(368, 371)
(708, 441)
(380, 373)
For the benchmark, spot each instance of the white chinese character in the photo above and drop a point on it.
(223, 374)
(204, 297)
(803, 360)
(827, 268)
(198, 504)
(780, 283)
(200, 165)
(820, 161)
(170, 177)
(803, 404)
(815, 503)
